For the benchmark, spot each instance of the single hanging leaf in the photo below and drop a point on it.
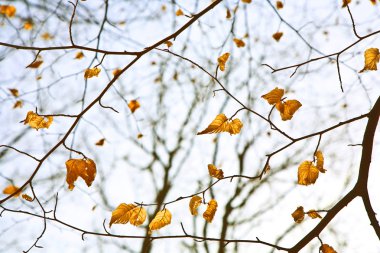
(84, 168)
(100, 142)
(246, 1)
(222, 124)
(168, 43)
(215, 172)
(179, 12)
(116, 72)
(122, 214)
(320, 161)
(239, 42)
(298, 215)
(27, 197)
(228, 14)
(279, 5)
(28, 25)
(222, 61)
(140, 135)
(14, 92)
(274, 96)
(47, 36)
(307, 173)
(8, 10)
(194, 203)
(35, 65)
(313, 214)
(18, 104)
(92, 72)
(288, 108)
(138, 216)
(35, 121)
(373, 2)
(79, 55)
(277, 36)
(371, 58)
(10, 189)
(133, 105)
(162, 219)
(209, 214)
(325, 248)
(345, 3)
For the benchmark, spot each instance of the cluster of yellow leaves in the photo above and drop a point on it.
(286, 108)
(10, 189)
(371, 58)
(92, 72)
(277, 36)
(222, 124)
(215, 172)
(162, 219)
(239, 42)
(179, 12)
(84, 168)
(279, 5)
(8, 10)
(345, 3)
(299, 214)
(222, 61)
(125, 213)
(133, 105)
(325, 248)
(35, 121)
(79, 55)
(209, 214)
(28, 24)
(308, 171)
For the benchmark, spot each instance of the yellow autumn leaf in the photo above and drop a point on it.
(140, 135)
(274, 96)
(209, 214)
(239, 42)
(277, 36)
(84, 168)
(325, 248)
(215, 172)
(168, 43)
(345, 3)
(14, 92)
(162, 219)
(228, 14)
(313, 214)
(279, 5)
(36, 64)
(194, 203)
(100, 142)
(222, 61)
(35, 121)
(298, 215)
(116, 72)
(222, 124)
(28, 25)
(18, 104)
(371, 58)
(307, 173)
(79, 55)
(288, 108)
(10, 189)
(47, 36)
(92, 72)
(246, 1)
(179, 12)
(320, 161)
(124, 212)
(8, 10)
(27, 197)
(133, 105)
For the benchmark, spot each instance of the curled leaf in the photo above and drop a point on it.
(222, 61)
(320, 161)
(209, 214)
(84, 168)
(345, 3)
(10, 189)
(14, 92)
(179, 12)
(92, 72)
(18, 104)
(79, 55)
(228, 14)
(277, 36)
(215, 172)
(222, 124)
(298, 215)
(162, 219)
(279, 5)
(125, 213)
(100, 142)
(313, 214)
(35, 65)
(371, 58)
(27, 197)
(288, 108)
(133, 105)
(194, 203)
(168, 43)
(246, 1)
(307, 173)
(35, 121)
(239, 42)
(325, 248)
